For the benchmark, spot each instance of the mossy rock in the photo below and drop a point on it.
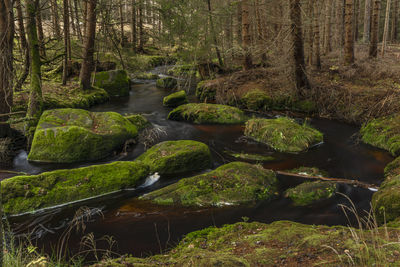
(146, 76)
(115, 82)
(309, 171)
(208, 114)
(173, 157)
(206, 91)
(231, 184)
(257, 100)
(311, 192)
(386, 202)
(383, 133)
(250, 157)
(139, 121)
(75, 135)
(304, 106)
(28, 193)
(183, 70)
(175, 99)
(283, 134)
(167, 83)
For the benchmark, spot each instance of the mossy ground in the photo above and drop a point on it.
(208, 114)
(29, 193)
(281, 243)
(115, 82)
(173, 157)
(176, 99)
(309, 192)
(283, 134)
(167, 83)
(74, 135)
(383, 133)
(231, 184)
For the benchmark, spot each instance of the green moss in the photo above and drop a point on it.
(283, 134)
(386, 202)
(173, 157)
(146, 76)
(252, 157)
(206, 91)
(167, 83)
(383, 133)
(310, 171)
(183, 70)
(231, 184)
(305, 106)
(208, 114)
(257, 100)
(73, 135)
(29, 193)
(139, 121)
(310, 192)
(115, 82)
(175, 99)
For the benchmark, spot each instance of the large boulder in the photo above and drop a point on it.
(283, 134)
(167, 83)
(139, 121)
(231, 184)
(115, 82)
(75, 135)
(208, 114)
(383, 133)
(173, 157)
(28, 193)
(176, 99)
(386, 202)
(309, 192)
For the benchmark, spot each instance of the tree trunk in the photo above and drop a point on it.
(56, 19)
(367, 21)
(239, 23)
(373, 47)
(246, 41)
(317, 38)
(88, 50)
(66, 43)
(133, 25)
(78, 26)
(214, 35)
(141, 30)
(298, 46)
(349, 35)
(24, 47)
(310, 33)
(121, 21)
(395, 21)
(386, 28)
(35, 97)
(39, 25)
(328, 27)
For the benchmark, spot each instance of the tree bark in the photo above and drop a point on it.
(328, 27)
(349, 34)
(56, 19)
(239, 23)
(367, 21)
(66, 42)
(141, 30)
(386, 28)
(78, 26)
(214, 35)
(301, 79)
(88, 50)
(39, 25)
(395, 21)
(373, 47)
(317, 38)
(246, 38)
(35, 97)
(24, 47)
(121, 21)
(133, 25)
(310, 33)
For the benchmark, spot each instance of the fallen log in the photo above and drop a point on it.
(356, 183)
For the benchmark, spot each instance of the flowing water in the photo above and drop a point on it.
(141, 228)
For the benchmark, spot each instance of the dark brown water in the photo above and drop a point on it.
(141, 228)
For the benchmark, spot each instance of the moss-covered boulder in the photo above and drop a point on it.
(383, 133)
(175, 99)
(167, 83)
(257, 100)
(115, 82)
(29, 193)
(283, 134)
(310, 192)
(208, 114)
(386, 202)
(231, 184)
(173, 157)
(74, 135)
(139, 121)
(146, 76)
(206, 91)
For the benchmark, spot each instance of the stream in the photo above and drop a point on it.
(142, 229)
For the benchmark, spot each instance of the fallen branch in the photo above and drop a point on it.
(337, 180)
(13, 172)
(12, 113)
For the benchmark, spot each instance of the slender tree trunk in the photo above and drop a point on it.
(72, 18)
(141, 30)
(349, 35)
(85, 10)
(298, 46)
(24, 46)
(88, 50)
(356, 12)
(386, 28)
(121, 21)
(56, 19)
(246, 41)
(239, 23)
(395, 21)
(317, 38)
(214, 35)
(78, 26)
(35, 97)
(39, 26)
(367, 21)
(310, 33)
(328, 27)
(373, 47)
(66, 42)
(133, 25)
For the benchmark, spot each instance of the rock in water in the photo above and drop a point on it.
(115, 82)
(75, 135)
(175, 99)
